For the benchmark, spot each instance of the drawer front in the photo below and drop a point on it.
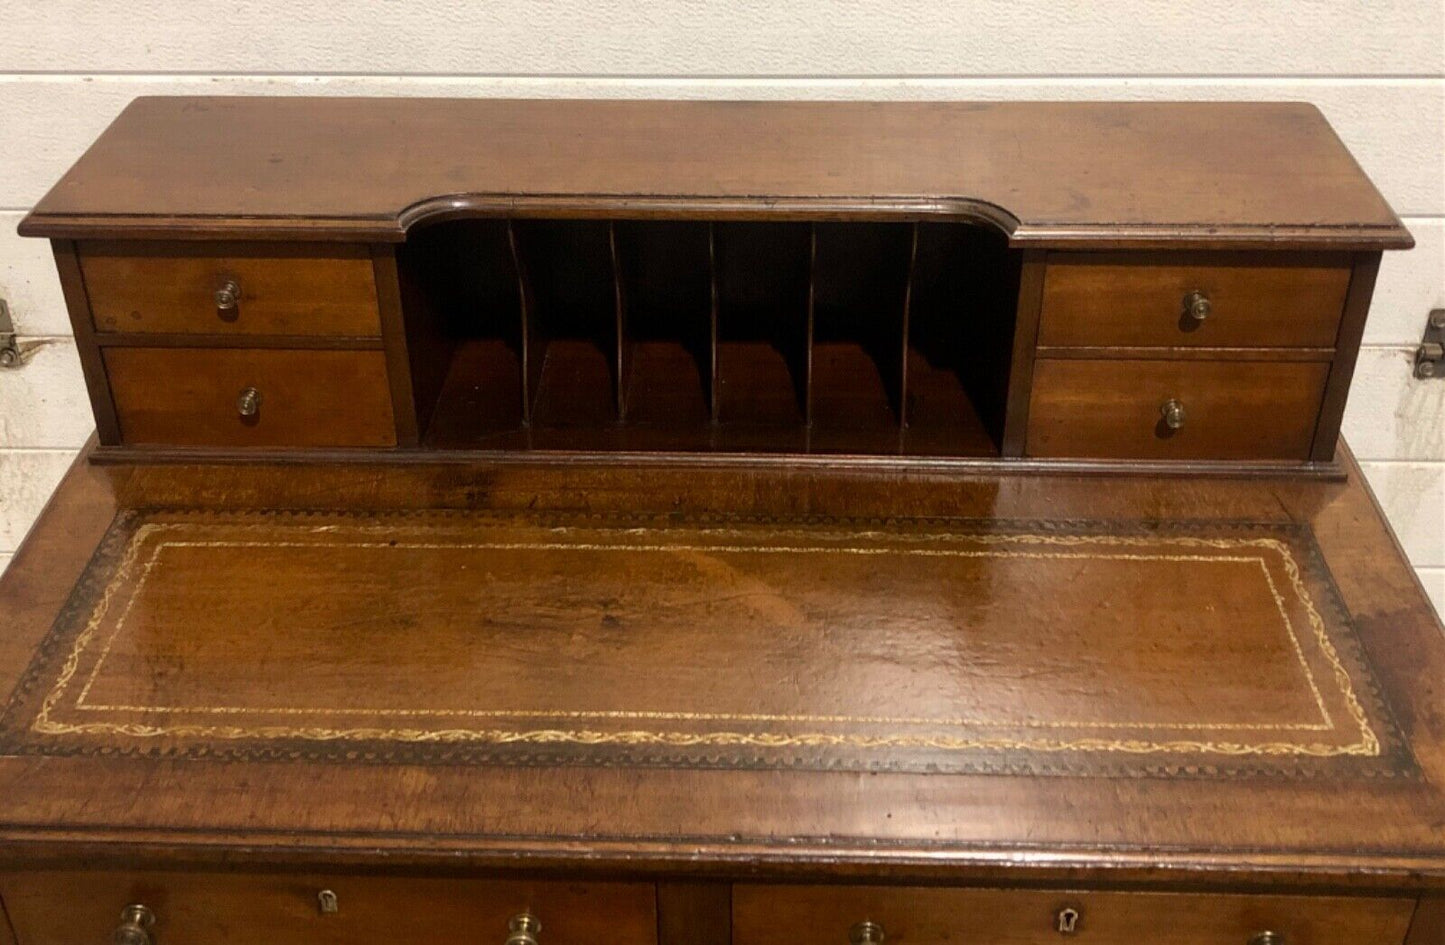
(192, 397)
(57, 908)
(279, 290)
(1131, 300)
(825, 915)
(1227, 410)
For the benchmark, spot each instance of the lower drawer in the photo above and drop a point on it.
(1146, 409)
(835, 915)
(239, 397)
(59, 908)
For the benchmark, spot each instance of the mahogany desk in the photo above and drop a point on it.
(553, 522)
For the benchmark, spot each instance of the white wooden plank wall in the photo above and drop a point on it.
(1377, 70)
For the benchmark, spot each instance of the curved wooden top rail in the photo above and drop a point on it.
(1066, 174)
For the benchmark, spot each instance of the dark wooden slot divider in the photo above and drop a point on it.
(534, 344)
(961, 311)
(460, 294)
(994, 272)
(696, 335)
(713, 297)
(904, 339)
(859, 300)
(810, 329)
(573, 310)
(665, 280)
(762, 347)
(622, 370)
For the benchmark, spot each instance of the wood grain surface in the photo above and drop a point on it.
(1329, 832)
(511, 638)
(188, 396)
(285, 289)
(215, 908)
(1238, 409)
(1111, 299)
(823, 915)
(1048, 173)
(1428, 926)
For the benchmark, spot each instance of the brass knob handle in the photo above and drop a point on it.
(523, 928)
(135, 926)
(248, 402)
(1173, 413)
(1266, 938)
(1197, 306)
(866, 933)
(228, 296)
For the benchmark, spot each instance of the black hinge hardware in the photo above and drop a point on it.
(9, 349)
(1430, 356)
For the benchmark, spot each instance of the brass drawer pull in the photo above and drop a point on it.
(1266, 938)
(228, 297)
(135, 926)
(1197, 306)
(1173, 413)
(523, 929)
(866, 933)
(248, 402)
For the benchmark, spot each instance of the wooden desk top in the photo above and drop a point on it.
(1201, 175)
(1006, 678)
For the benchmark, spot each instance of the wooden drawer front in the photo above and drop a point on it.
(56, 908)
(1131, 300)
(189, 397)
(823, 915)
(1232, 410)
(284, 290)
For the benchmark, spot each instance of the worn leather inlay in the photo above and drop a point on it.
(1009, 647)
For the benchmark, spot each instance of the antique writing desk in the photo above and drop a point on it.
(703, 523)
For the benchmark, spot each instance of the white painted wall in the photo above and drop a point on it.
(1377, 70)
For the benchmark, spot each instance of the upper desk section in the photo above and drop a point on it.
(1060, 175)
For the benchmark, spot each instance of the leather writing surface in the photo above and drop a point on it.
(430, 636)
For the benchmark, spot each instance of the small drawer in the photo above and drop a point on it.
(236, 289)
(836, 915)
(1149, 409)
(1217, 300)
(235, 397)
(279, 909)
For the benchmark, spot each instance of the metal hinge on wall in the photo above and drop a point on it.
(12, 353)
(1430, 356)
(9, 348)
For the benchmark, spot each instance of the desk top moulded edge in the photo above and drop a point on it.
(1141, 175)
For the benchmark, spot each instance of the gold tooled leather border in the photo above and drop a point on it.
(565, 737)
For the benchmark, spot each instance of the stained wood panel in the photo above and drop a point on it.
(1367, 834)
(189, 396)
(284, 289)
(694, 913)
(1279, 300)
(211, 909)
(823, 915)
(1231, 410)
(1429, 922)
(1145, 170)
(7, 931)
